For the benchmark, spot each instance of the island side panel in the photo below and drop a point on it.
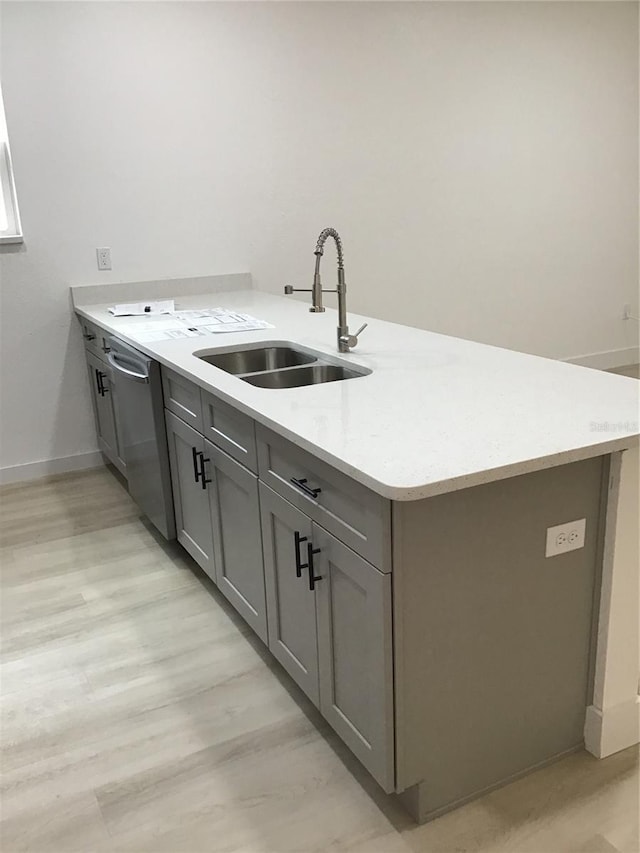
(492, 640)
(613, 720)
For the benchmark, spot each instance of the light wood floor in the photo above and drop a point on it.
(139, 714)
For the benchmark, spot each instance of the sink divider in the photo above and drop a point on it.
(287, 369)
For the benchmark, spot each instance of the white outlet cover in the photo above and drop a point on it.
(565, 537)
(103, 254)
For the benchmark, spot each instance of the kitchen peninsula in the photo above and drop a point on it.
(391, 536)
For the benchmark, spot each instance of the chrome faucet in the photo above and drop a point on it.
(346, 341)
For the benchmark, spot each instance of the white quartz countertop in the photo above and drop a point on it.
(436, 414)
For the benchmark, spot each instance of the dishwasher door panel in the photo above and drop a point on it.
(144, 437)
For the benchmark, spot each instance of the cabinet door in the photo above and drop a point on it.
(291, 605)
(355, 653)
(190, 499)
(111, 384)
(102, 399)
(237, 543)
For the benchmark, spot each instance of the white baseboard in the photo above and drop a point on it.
(609, 731)
(47, 467)
(607, 360)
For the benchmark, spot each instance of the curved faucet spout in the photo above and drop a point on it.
(346, 341)
(322, 239)
(316, 290)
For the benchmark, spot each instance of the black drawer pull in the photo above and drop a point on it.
(88, 337)
(308, 490)
(313, 578)
(299, 566)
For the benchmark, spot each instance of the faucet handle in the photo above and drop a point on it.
(352, 340)
(289, 289)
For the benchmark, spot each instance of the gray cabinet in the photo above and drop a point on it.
(282, 553)
(349, 510)
(229, 429)
(353, 602)
(291, 605)
(182, 397)
(190, 494)
(329, 616)
(93, 337)
(103, 399)
(237, 543)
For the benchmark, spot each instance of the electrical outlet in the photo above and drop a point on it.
(104, 258)
(565, 537)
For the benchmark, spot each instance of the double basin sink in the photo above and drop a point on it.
(281, 365)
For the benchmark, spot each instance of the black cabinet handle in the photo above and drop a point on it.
(99, 383)
(88, 337)
(313, 578)
(105, 348)
(203, 474)
(299, 566)
(199, 473)
(308, 490)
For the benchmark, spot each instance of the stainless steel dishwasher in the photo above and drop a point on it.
(139, 388)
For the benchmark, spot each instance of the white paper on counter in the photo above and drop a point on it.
(133, 309)
(215, 320)
(149, 336)
(162, 330)
(193, 324)
(249, 326)
(165, 325)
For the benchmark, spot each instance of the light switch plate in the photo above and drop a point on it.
(565, 537)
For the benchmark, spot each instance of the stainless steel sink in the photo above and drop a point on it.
(257, 360)
(314, 374)
(280, 365)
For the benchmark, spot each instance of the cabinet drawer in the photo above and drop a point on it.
(95, 339)
(182, 398)
(231, 430)
(353, 513)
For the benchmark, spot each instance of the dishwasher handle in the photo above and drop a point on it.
(130, 374)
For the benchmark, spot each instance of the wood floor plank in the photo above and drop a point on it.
(63, 506)
(68, 825)
(139, 713)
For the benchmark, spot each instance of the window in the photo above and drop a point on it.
(10, 230)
